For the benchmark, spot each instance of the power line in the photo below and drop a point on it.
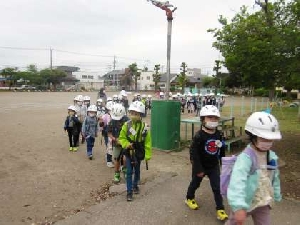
(79, 53)
(30, 49)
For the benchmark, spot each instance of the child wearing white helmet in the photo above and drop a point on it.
(115, 98)
(118, 118)
(90, 129)
(253, 194)
(81, 110)
(205, 152)
(87, 101)
(135, 139)
(104, 121)
(100, 108)
(72, 126)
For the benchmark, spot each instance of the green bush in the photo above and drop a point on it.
(262, 92)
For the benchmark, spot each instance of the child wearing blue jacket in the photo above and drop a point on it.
(90, 129)
(253, 194)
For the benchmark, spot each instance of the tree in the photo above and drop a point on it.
(52, 76)
(10, 74)
(126, 80)
(258, 48)
(207, 81)
(32, 69)
(218, 77)
(182, 79)
(156, 76)
(135, 74)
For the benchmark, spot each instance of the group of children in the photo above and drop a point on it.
(127, 138)
(128, 142)
(250, 193)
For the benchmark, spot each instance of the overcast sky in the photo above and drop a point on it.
(132, 30)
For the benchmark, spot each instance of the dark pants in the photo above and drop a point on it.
(78, 134)
(73, 138)
(89, 145)
(214, 178)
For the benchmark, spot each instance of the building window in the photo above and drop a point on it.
(148, 77)
(90, 77)
(84, 76)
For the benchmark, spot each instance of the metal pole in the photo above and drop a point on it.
(231, 108)
(51, 59)
(168, 58)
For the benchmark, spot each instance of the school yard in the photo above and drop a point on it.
(42, 182)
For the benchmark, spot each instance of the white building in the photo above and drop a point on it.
(146, 81)
(89, 80)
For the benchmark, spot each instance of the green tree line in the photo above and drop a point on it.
(32, 76)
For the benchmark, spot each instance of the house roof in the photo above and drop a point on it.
(194, 79)
(118, 72)
(68, 68)
(163, 77)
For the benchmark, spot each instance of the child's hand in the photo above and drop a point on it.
(200, 174)
(240, 216)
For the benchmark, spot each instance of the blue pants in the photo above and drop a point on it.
(136, 168)
(89, 145)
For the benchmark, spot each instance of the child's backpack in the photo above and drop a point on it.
(227, 166)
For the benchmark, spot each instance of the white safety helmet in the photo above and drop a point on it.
(109, 105)
(120, 97)
(72, 107)
(109, 99)
(115, 97)
(137, 106)
(86, 98)
(78, 98)
(117, 111)
(143, 96)
(99, 100)
(92, 108)
(209, 110)
(264, 125)
(149, 96)
(161, 93)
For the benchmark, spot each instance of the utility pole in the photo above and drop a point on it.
(115, 62)
(166, 6)
(51, 58)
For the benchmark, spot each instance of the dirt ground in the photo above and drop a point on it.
(40, 180)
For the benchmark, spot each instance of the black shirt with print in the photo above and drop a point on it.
(205, 150)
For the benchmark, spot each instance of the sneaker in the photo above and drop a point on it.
(110, 164)
(129, 197)
(91, 157)
(221, 215)
(117, 177)
(71, 149)
(136, 190)
(75, 149)
(192, 204)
